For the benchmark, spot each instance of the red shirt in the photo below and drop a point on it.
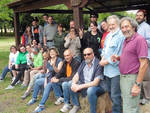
(103, 39)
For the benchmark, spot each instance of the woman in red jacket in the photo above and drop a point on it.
(26, 37)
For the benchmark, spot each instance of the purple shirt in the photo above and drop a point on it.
(132, 50)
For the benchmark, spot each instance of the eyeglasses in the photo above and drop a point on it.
(22, 48)
(88, 54)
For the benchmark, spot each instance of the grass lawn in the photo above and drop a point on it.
(10, 101)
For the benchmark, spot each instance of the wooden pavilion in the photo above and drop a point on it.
(75, 7)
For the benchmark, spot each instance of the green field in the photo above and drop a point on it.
(10, 101)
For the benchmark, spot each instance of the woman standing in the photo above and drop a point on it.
(59, 39)
(91, 39)
(26, 38)
(72, 42)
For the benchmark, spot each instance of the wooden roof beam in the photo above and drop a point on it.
(39, 4)
(121, 8)
(52, 11)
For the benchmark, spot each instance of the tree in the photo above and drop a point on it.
(6, 15)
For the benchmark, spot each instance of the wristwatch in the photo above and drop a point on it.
(138, 84)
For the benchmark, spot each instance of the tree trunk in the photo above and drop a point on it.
(5, 29)
(1, 31)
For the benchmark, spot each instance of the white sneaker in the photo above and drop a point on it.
(59, 101)
(144, 101)
(1, 80)
(18, 82)
(65, 108)
(13, 79)
(10, 87)
(74, 109)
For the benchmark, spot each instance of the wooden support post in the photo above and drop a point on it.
(78, 17)
(77, 12)
(16, 27)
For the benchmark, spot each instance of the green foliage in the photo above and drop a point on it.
(6, 14)
(25, 19)
(121, 14)
(4, 10)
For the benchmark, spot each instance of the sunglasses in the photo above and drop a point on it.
(88, 54)
(93, 16)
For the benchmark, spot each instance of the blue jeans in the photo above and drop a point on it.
(78, 58)
(5, 71)
(39, 84)
(92, 93)
(48, 89)
(66, 91)
(50, 44)
(113, 85)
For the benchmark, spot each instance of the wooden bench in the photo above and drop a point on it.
(104, 104)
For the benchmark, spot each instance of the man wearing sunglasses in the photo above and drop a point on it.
(88, 80)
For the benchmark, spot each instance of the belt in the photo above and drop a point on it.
(49, 40)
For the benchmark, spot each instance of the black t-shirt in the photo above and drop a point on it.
(36, 33)
(92, 41)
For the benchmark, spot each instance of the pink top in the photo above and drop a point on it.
(132, 50)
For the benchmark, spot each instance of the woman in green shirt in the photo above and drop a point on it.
(59, 39)
(20, 65)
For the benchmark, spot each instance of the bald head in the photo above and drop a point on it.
(88, 55)
(68, 55)
(88, 50)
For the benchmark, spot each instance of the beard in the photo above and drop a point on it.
(139, 21)
(88, 61)
(128, 34)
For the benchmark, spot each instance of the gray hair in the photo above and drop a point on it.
(35, 49)
(133, 23)
(115, 17)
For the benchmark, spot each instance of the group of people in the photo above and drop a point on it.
(113, 57)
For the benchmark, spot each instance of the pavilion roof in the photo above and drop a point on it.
(96, 5)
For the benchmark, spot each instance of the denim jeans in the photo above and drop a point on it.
(92, 93)
(66, 91)
(48, 89)
(78, 58)
(50, 44)
(5, 71)
(57, 88)
(39, 84)
(113, 85)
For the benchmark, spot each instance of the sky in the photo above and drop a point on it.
(132, 11)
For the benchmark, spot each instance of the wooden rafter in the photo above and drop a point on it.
(53, 11)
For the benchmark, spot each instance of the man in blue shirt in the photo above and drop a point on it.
(112, 45)
(144, 30)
